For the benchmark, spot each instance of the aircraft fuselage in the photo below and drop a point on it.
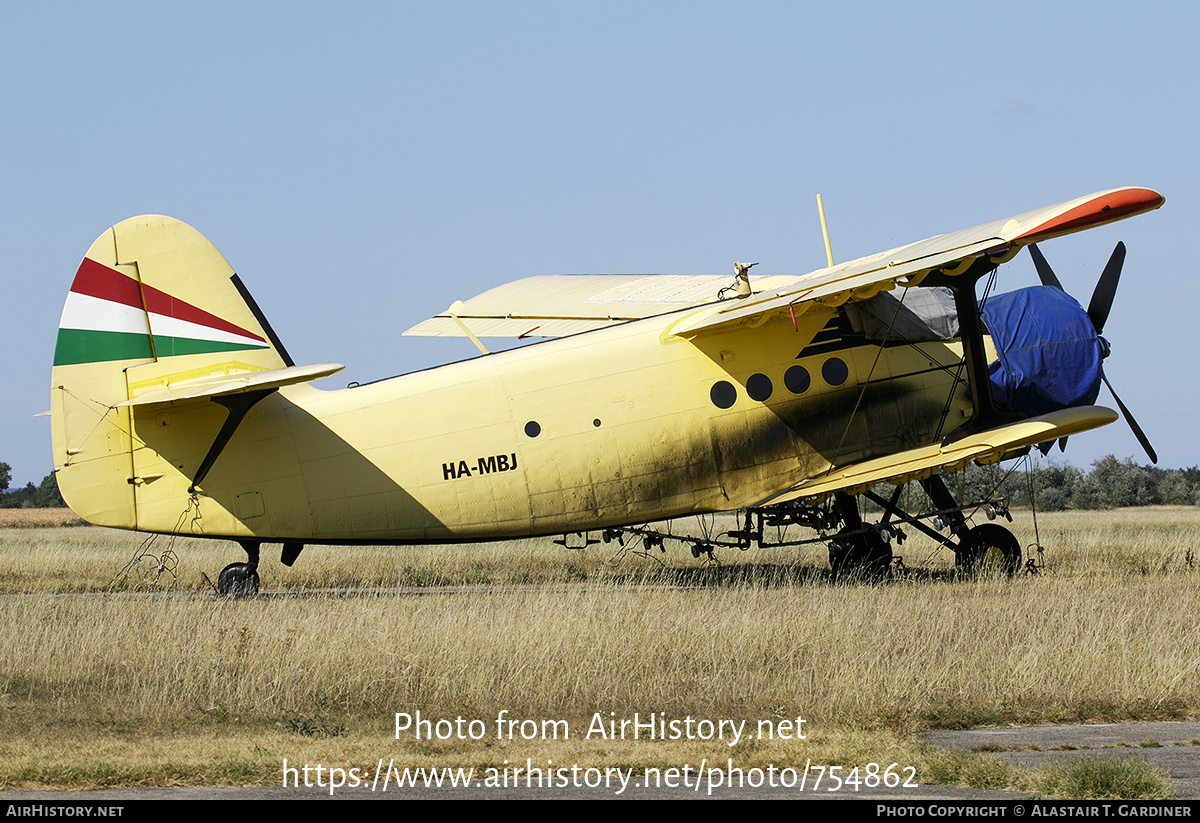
(613, 427)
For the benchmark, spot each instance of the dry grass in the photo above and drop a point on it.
(945, 655)
(37, 518)
(1127, 542)
(1107, 632)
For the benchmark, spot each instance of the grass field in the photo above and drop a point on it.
(37, 518)
(151, 679)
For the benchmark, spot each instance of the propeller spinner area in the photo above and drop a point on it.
(1097, 311)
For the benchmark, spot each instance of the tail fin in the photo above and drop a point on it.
(153, 303)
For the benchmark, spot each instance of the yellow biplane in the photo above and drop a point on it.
(175, 409)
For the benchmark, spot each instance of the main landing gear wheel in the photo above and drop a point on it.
(241, 579)
(238, 580)
(855, 554)
(989, 548)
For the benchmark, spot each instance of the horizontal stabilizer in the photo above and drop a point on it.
(223, 384)
(984, 447)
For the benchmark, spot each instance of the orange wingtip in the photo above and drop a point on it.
(1098, 210)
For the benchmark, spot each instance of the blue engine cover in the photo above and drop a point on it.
(1049, 354)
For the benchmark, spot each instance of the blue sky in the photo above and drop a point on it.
(362, 165)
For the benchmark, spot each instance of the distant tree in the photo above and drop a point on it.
(1175, 489)
(1112, 483)
(42, 496)
(19, 499)
(1054, 486)
(47, 495)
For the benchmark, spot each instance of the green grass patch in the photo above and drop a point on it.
(957, 768)
(1102, 779)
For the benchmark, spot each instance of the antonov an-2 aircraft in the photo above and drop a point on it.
(175, 408)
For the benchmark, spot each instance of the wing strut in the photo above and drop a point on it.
(986, 415)
(454, 310)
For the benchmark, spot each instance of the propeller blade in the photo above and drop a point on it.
(1137, 430)
(1045, 273)
(1106, 290)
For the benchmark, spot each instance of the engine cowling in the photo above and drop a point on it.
(1049, 355)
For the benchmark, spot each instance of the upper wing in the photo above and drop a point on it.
(562, 304)
(948, 254)
(558, 305)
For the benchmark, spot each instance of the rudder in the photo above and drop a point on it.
(153, 303)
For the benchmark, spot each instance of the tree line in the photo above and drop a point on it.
(1109, 484)
(42, 496)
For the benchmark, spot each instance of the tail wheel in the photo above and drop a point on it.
(855, 554)
(989, 548)
(238, 580)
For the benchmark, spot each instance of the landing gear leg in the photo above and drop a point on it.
(241, 579)
(857, 552)
(987, 547)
